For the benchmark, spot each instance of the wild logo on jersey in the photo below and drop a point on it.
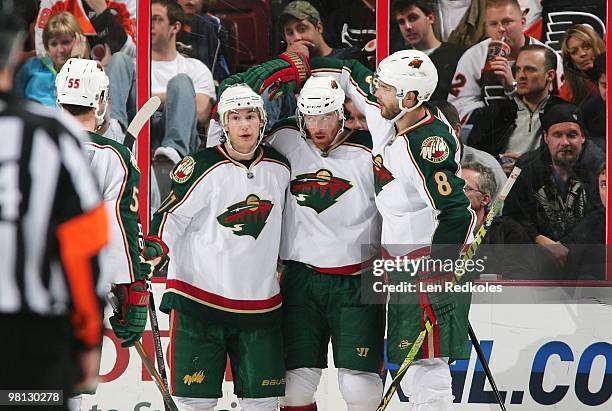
(318, 190)
(434, 149)
(247, 217)
(382, 176)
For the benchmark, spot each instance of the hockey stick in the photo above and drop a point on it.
(159, 382)
(139, 120)
(485, 366)
(416, 345)
(159, 354)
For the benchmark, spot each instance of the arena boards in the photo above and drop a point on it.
(542, 355)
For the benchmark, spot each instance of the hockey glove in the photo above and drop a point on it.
(131, 318)
(442, 302)
(283, 75)
(153, 258)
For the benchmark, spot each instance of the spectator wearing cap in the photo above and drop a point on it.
(302, 29)
(556, 188)
(512, 127)
(415, 20)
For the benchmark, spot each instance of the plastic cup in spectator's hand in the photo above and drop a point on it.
(496, 48)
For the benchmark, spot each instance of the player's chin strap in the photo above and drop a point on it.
(404, 110)
(229, 142)
(304, 132)
(100, 117)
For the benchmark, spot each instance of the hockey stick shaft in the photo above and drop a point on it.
(159, 353)
(157, 379)
(485, 366)
(139, 120)
(159, 382)
(416, 345)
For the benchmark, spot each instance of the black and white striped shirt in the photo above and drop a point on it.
(52, 221)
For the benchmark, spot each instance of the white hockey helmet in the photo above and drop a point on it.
(320, 95)
(408, 70)
(82, 82)
(237, 97)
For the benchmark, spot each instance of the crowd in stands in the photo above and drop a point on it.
(518, 83)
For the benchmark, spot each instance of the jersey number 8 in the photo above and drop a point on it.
(443, 185)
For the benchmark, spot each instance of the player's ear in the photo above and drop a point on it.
(409, 99)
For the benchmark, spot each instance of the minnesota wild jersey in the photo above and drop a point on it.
(330, 220)
(419, 192)
(420, 197)
(118, 176)
(222, 223)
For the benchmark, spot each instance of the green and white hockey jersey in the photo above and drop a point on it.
(330, 220)
(118, 177)
(417, 176)
(420, 197)
(222, 224)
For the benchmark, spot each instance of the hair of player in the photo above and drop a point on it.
(485, 183)
(399, 6)
(76, 110)
(550, 58)
(60, 24)
(173, 9)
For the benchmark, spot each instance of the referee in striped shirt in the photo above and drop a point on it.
(52, 226)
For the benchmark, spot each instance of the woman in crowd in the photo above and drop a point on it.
(579, 48)
(63, 38)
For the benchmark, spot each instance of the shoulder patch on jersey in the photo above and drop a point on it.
(434, 149)
(184, 170)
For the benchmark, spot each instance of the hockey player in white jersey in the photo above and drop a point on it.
(222, 223)
(82, 90)
(424, 209)
(331, 231)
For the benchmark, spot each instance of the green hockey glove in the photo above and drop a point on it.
(280, 76)
(153, 257)
(130, 319)
(441, 302)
